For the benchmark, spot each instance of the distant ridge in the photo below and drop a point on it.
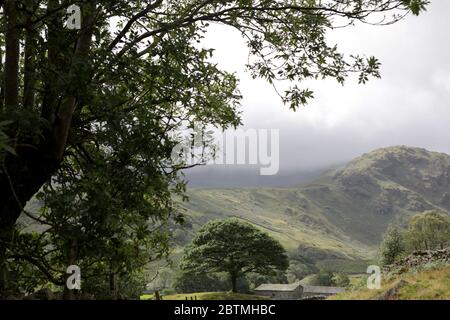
(343, 212)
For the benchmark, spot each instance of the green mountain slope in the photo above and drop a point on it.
(342, 214)
(336, 219)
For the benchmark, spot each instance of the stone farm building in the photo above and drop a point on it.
(295, 291)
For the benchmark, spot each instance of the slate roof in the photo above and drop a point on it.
(278, 287)
(306, 289)
(323, 290)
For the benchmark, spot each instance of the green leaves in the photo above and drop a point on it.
(429, 231)
(108, 103)
(393, 245)
(416, 6)
(297, 97)
(235, 247)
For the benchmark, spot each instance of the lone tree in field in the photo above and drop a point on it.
(234, 247)
(109, 95)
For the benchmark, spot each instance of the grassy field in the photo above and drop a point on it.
(209, 296)
(424, 285)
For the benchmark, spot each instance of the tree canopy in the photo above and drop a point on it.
(89, 115)
(429, 231)
(393, 245)
(235, 247)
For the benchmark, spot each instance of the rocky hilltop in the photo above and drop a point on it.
(416, 177)
(342, 213)
(384, 185)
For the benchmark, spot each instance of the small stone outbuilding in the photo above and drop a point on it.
(295, 291)
(291, 291)
(313, 291)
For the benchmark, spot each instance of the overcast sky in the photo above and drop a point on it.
(410, 105)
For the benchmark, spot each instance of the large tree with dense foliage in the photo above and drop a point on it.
(101, 217)
(134, 72)
(325, 278)
(235, 247)
(429, 231)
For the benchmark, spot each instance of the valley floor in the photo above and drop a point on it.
(209, 296)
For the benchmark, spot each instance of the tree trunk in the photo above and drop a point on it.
(68, 105)
(52, 83)
(20, 179)
(23, 174)
(112, 285)
(2, 97)
(72, 255)
(12, 53)
(233, 277)
(30, 60)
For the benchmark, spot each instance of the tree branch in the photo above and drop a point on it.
(11, 74)
(143, 13)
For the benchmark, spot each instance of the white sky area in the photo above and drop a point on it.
(410, 105)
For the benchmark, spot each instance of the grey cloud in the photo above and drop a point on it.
(410, 105)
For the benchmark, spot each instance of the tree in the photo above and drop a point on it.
(235, 247)
(69, 93)
(325, 278)
(187, 282)
(97, 221)
(429, 231)
(393, 245)
(300, 266)
(342, 280)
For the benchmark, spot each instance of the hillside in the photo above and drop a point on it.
(423, 285)
(344, 212)
(338, 219)
(423, 275)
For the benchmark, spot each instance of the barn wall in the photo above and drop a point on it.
(282, 295)
(315, 294)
